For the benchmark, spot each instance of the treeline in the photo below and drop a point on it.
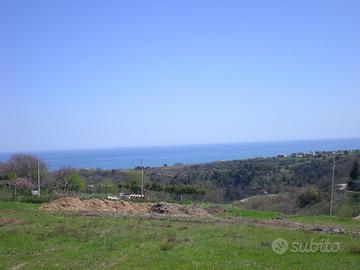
(19, 176)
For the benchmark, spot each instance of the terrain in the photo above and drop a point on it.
(32, 238)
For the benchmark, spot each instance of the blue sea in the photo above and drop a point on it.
(129, 157)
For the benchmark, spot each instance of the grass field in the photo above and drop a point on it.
(64, 241)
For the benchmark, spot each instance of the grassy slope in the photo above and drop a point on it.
(73, 242)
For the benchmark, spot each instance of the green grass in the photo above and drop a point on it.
(329, 220)
(247, 213)
(61, 241)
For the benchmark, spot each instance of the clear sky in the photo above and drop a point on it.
(91, 74)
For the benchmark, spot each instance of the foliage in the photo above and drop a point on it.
(132, 181)
(354, 186)
(74, 182)
(109, 187)
(25, 165)
(10, 176)
(354, 172)
(35, 199)
(354, 182)
(24, 183)
(309, 195)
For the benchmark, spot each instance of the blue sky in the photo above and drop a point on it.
(92, 74)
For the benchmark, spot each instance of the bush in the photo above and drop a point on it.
(354, 185)
(75, 182)
(309, 195)
(35, 199)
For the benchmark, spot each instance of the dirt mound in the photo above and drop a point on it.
(357, 218)
(178, 210)
(70, 204)
(65, 204)
(166, 208)
(5, 221)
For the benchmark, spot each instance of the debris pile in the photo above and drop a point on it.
(71, 204)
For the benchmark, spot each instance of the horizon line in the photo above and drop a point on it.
(176, 145)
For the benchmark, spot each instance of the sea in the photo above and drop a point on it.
(155, 156)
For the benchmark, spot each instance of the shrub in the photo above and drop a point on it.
(354, 185)
(74, 182)
(309, 195)
(35, 199)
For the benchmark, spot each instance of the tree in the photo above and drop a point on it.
(354, 172)
(8, 182)
(132, 181)
(109, 187)
(10, 176)
(309, 195)
(24, 186)
(354, 183)
(25, 165)
(182, 189)
(74, 182)
(133, 186)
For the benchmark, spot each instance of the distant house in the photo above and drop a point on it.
(311, 154)
(342, 186)
(281, 156)
(35, 193)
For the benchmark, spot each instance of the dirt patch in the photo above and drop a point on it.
(93, 206)
(215, 210)
(280, 223)
(284, 223)
(14, 221)
(193, 210)
(6, 211)
(357, 218)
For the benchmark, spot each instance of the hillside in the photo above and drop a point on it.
(235, 180)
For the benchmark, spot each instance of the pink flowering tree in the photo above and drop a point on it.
(24, 185)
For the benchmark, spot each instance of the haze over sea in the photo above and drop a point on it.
(129, 157)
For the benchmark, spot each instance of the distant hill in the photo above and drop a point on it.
(238, 179)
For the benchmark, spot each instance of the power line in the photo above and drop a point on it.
(142, 179)
(38, 177)
(332, 189)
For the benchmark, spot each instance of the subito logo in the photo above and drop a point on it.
(280, 246)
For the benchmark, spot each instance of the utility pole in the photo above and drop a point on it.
(332, 189)
(142, 179)
(38, 177)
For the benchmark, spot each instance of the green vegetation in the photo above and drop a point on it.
(354, 181)
(308, 196)
(60, 241)
(74, 182)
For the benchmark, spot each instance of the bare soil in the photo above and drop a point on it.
(6, 221)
